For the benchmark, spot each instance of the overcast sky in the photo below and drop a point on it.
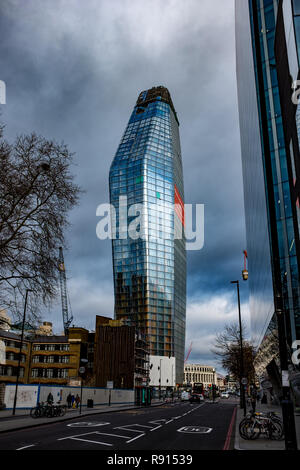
(73, 70)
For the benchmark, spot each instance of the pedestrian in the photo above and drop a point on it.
(69, 400)
(50, 399)
(77, 400)
(73, 401)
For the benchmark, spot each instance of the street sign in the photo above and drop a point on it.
(244, 381)
(81, 370)
(110, 384)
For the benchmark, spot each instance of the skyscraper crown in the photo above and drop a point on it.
(148, 96)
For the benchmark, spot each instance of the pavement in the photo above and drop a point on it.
(262, 443)
(167, 427)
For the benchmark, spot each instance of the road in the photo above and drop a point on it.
(178, 426)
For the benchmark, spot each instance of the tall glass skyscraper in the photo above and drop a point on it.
(271, 206)
(150, 269)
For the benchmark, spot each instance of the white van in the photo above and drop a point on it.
(185, 396)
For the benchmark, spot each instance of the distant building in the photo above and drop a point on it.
(198, 373)
(5, 321)
(121, 356)
(150, 271)
(45, 329)
(45, 359)
(114, 352)
(221, 383)
(9, 355)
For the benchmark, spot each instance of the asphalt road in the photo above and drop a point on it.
(179, 426)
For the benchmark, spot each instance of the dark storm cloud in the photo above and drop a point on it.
(73, 71)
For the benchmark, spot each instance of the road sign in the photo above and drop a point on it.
(244, 381)
(81, 370)
(110, 384)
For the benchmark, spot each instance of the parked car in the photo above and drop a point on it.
(224, 395)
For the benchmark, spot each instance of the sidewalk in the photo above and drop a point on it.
(262, 443)
(23, 420)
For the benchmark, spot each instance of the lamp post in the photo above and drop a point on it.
(20, 352)
(160, 379)
(242, 388)
(286, 402)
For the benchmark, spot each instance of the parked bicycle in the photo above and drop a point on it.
(48, 410)
(255, 424)
(41, 410)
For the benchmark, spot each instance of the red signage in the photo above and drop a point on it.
(179, 205)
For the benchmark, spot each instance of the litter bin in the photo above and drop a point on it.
(90, 403)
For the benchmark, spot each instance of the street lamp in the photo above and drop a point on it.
(82, 371)
(20, 352)
(242, 388)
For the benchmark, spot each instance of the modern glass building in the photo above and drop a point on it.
(271, 206)
(150, 268)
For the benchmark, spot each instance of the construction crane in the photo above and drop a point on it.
(67, 320)
(189, 352)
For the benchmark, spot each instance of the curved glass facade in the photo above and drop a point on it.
(150, 269)
(256, 215)
(268, 184)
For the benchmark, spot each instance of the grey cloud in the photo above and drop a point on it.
(73, 71)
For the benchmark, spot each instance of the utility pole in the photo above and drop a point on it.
(242, 388)
(20, 352)
(286, 402)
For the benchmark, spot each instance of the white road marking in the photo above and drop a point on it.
(170, 421)
(75, 435)
(195, 430)
(84, 424)
(158, 421)
(142, 426)
(157, 427)
(94, 442)
(137, 437)
(26, 447)
(114, 435)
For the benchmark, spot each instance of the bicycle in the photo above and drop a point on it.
(41, 410)
(255, 424)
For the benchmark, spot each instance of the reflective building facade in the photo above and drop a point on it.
(269, 186)
(150, 269)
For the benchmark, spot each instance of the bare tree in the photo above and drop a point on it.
(37, 192)
(227, 350)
